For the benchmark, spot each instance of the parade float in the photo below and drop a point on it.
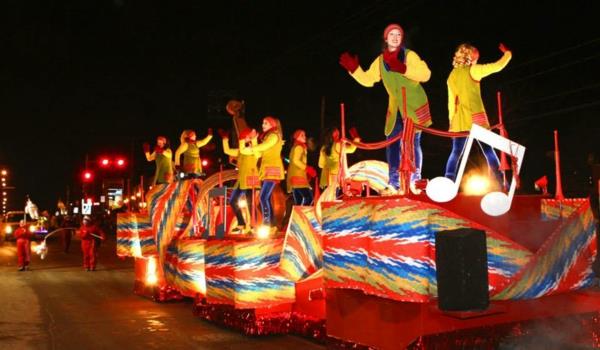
(363, 269)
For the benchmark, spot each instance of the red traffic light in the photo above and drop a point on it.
(87, 176)
(104, 162)
(120, 162)
(204, 162)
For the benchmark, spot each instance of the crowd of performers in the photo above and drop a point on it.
(402, 71)
(258, 155)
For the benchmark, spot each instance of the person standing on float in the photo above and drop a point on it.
(247, 175)
(465, 106)
(162, 155)
(398, 67)
(271, 170)
(329, 156)
(299, 171)
(190, 148)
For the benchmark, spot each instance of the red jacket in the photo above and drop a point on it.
(22, 233)
(85, 232)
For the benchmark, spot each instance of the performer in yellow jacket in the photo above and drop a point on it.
(190, 148)
(247, 174)
(271, 170)
(329, 157)
(465, 106)
(299, 171)
(398, 67)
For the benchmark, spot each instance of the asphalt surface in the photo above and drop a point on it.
(58, 305)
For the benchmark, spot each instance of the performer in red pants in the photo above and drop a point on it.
(23, 249)
(90, 235)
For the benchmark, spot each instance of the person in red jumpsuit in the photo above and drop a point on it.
(23, 237)
(90, 235)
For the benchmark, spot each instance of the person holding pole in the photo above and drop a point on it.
(23, 237)
(465, 106)
(90, 235)
(400, 69)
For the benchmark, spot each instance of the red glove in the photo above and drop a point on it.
(353, 133)
(223, 133)
(210, 131)
(391, 58)
(146, 147)
(503, 48)
(349, 62)
(311, 172)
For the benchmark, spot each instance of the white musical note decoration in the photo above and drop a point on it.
(441, 189)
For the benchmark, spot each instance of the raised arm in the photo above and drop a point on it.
(204, 141)
(233, 152)
(150, 156)
(480, 71)
(371, 76)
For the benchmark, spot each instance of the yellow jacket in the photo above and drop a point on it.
(247, 170)
(271, 165)
(296, 173)
(330, 164)
(465, 105)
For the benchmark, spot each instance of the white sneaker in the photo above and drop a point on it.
(414, 189)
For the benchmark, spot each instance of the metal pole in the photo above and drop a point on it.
(559, 193)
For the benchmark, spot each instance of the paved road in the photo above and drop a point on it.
(58, 305)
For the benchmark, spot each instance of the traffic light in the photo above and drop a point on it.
(87, 176)
(104, 162)
(121, 162)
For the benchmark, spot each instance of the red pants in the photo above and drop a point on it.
(23, 251)
(88, 247)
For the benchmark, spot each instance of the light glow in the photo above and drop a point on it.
(263, 232)
(476, 185)
(151, 277)
(242, 203)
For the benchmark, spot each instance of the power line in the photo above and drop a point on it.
(555, 68)
(558, 111)
(554, 53)
(562, 93)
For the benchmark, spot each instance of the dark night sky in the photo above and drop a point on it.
(104, 76)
